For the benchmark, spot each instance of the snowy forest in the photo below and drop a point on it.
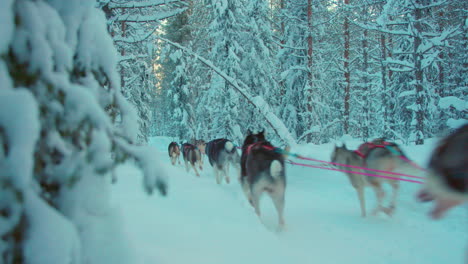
(395, 69)
(84, 85)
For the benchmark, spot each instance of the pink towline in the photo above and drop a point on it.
(362, 168)
(356, 172)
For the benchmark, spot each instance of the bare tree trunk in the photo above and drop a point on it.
(282, 41)
(309, 66)
(385, 99)
(418, 74)
(282, 23)
(441, 76)
(365, 80)
(122, 53)
(346, 73)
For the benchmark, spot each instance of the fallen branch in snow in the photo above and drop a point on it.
(256, 101)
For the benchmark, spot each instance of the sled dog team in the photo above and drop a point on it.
(261, 168)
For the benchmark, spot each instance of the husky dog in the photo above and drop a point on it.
(222, 152)
(193, 156)
(201, 145)
(447, 180)
(263, 170)
(174, 152)
(379, 155)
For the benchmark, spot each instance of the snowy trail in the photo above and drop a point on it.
(202, 222)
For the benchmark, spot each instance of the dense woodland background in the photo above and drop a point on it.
(326, 68)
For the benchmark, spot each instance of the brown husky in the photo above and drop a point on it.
(192, 155)
(379, 155)
(174, 152)
(201, 145)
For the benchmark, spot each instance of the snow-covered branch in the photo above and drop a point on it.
(143, 4)
(133, 40)
(133, 57)
(149, 18)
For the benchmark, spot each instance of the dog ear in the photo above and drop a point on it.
(249, 132)
(344, 146)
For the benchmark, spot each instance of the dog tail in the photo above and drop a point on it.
(229, 147)
(276, 169)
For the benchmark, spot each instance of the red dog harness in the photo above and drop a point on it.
(370, 146)
(249, 147)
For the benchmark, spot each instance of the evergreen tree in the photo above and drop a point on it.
(64, 127)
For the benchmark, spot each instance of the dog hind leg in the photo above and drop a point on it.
(195, 169)
(226, 172)
(246, 189)
(216, 171)
(380, 194)
(395, 190)
(278, 201)
(255, 194)
(362, 202)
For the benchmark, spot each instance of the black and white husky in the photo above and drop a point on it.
(263, 170)
(447, 179)
(193, 156)
(222, 153)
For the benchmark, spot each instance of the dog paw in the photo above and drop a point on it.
(376, 211)
(425, 196)
(389, 210)
(281, 228)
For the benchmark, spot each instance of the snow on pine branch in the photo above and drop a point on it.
(20, 126)
(142, 4)
(154, 174)
(149, 18)
(258, 102)
(452, 101)
(133, 40)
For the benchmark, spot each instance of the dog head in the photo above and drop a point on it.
(174, 148)
(201, 145)
(252, 138)
(339, 154)
(447, 179)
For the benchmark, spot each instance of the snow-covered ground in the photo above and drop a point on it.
(202, 222)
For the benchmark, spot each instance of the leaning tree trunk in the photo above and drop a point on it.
(257, 102)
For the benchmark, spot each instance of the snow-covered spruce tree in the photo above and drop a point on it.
(225, 32)
(418, 44)
(258, 60)
(308, 59)
(200, 75)
(132, 25)
(64, 127)
(449, 74)
(177, 89)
